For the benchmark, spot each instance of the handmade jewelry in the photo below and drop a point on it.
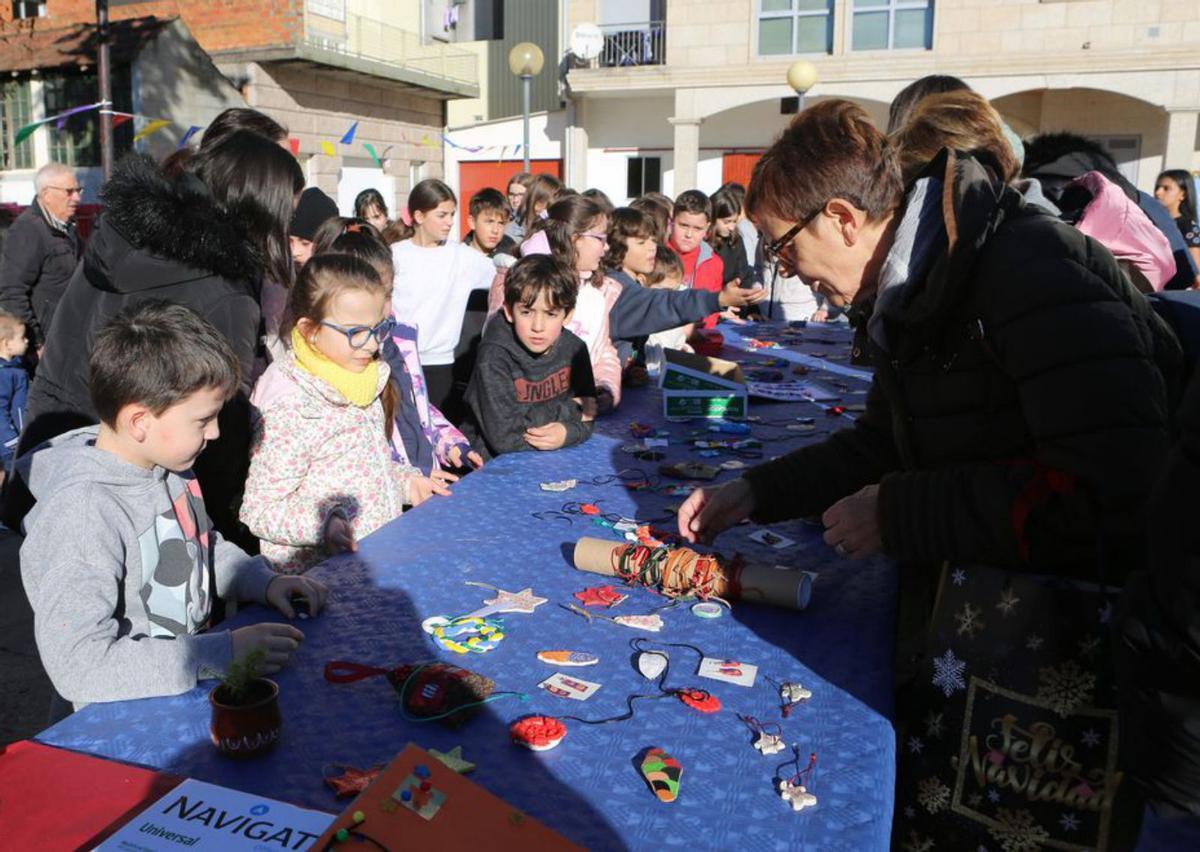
(794, 789)
(465, 635)
(769, 738)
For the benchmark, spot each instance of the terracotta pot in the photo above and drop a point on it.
(250, 728)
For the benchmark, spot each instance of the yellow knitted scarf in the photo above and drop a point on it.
(359, 388)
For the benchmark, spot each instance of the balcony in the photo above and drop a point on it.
(631, 45)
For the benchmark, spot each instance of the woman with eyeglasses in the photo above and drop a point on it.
(206, 238)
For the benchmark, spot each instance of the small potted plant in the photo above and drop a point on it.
(245, 709)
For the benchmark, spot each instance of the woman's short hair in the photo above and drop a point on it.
(830, 150)
(962, 120)
(915, 92)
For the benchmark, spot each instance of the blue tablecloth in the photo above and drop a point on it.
(588, 788)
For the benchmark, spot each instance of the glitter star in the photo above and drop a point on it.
(605, 596)
(523, 601)
(352, 781)
(959, 576)
(453, 759)
(1069, 822)
(993, 796)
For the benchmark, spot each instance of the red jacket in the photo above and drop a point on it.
(702, 270)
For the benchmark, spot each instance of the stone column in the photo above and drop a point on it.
(1181, 139)
(687, 152)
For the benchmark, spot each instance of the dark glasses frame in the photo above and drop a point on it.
(379, 332)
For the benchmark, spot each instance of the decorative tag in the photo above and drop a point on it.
(651, 664)
(662, 773)
(567, 658)
(653, 623)
(771, 539)
(730, 671)
(568, 687)
(561, 485)
(419, 796)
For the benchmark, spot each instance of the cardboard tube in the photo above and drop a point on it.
(752, 583)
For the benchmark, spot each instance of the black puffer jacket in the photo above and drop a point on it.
(157, 239)
(1158, 636)
(1020, 405)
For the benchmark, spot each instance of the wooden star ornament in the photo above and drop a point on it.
(352, 781)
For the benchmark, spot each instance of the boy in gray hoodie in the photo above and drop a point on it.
(120, 561)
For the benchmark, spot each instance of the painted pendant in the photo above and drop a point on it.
(653, 623)
(662, 772)
(568, 658)
(796, 796)
(651, 664)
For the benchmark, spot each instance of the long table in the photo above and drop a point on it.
(588, 788)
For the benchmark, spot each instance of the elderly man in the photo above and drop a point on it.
(41, 251)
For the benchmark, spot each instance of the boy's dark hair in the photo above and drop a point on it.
(9, 324)
(658, 209)
(489, 200)
(625, 224)
(666, 265)
(600, 197)
(692, 201)
(541, 273)
(156, 354)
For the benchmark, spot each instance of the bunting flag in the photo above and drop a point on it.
(153, 126)
(426, 141)
(371, 150)
(348, 136)
(383, 156)
(119, 118)
(192, 131)
(294, 145)
(26, 131)
(327, 148)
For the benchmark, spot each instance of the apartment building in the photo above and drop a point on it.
(688, 92)
(317, 66)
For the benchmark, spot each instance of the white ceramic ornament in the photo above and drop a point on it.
(792, 693)
(651, 664)
(796, 796)
(769, 743)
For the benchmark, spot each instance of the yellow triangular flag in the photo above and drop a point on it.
(328, 148)
(154, 126)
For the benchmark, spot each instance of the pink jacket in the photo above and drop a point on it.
(314, 455)
(1117, 223)
(437, 430)
(606, 363)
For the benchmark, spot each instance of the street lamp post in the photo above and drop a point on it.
(801, 76)
(525, 61)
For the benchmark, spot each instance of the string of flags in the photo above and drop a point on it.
(328, 147)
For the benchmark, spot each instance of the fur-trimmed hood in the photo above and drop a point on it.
(156, 232)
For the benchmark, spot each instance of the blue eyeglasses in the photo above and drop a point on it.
(358, 335)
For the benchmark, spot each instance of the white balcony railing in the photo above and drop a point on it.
(633, 44)
(371, 39)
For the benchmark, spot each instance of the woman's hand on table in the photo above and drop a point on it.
(852, 524)
(708, 512)
(284, 589)
(276, 641)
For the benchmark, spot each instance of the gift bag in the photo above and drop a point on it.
(1010, 733)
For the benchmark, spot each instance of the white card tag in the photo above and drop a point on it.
(730, 671)
(565, 686)
(771, 539)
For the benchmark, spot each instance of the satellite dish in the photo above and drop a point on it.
(587, 41)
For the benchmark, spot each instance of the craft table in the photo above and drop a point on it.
(589, 787)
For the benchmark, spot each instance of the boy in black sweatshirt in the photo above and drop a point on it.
(532, 388)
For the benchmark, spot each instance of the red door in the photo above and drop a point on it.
(737, 167)
(475, 176)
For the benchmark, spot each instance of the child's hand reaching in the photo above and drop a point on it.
(421, 488)
(276, 641)
(339, 535)
(455, 457)
(283, 588)
(548, 437)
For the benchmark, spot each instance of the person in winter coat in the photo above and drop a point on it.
(321, 473)
(204, 240)
(14, 386)
(41, 251)
(1021, 398)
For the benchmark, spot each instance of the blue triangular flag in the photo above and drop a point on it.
(192, 131)
(349, 135)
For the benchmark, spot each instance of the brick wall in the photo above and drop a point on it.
(217, 25)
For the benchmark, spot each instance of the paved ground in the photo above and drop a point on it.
(24, 689)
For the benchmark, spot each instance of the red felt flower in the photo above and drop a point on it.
(605, 596)
(538, 732)
(699, 699)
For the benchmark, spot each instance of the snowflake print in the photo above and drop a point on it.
(993, 795)
(916, 843)
(958, 577)
(1069, 822)
(1088, 645)
(968, 620)
(1018, 832)
(933, 724)
(1091, 738)
(948, 673)
(915, 745)
(1105, 612)
(910, 812)
(933, 795)
(1034, 642)
(974, 800)
(1008, 602)
(1065, 687)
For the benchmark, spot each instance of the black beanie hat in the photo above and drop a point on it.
(313, 211)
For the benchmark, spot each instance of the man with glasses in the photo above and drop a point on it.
(41, 251)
